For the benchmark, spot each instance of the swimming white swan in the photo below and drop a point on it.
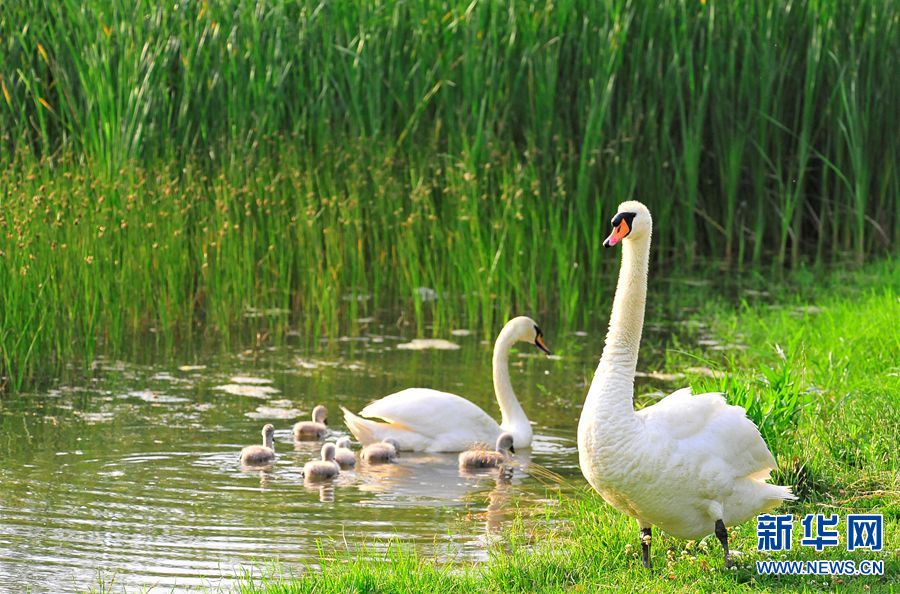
(421, 419)
(690, 465)
(485, 458)
(263, 454)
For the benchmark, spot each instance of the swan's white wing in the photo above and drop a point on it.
(429, 411)
(425, 419)
(680, 414)
(706, 425)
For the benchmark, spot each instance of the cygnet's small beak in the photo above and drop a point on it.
(539, 343)
(512, 449)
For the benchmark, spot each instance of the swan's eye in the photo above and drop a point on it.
(627, 218)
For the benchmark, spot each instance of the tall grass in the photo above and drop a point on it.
(171, 166)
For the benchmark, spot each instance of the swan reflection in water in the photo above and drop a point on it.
(310, 449)
(498, 509)
(435, 479)
(504, 480)
(418, 478)
(325, 491)
(265, 472)
(265, 477)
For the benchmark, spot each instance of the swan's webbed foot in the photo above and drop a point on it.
(722, 535)
(646, 539)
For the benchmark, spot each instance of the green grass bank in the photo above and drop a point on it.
(172, 167)
(821, 364)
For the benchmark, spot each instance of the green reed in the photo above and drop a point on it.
(175, 167)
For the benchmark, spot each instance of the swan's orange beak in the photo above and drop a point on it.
(618, 234)
(539, 343)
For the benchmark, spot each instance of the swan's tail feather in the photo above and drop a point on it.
(784, 492)
(776, 495)
(364, 430)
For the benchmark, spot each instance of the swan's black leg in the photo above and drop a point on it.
(722, 535)
(646, 538)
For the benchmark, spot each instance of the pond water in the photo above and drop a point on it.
(134, 474)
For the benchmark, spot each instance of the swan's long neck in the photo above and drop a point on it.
(269, 442)
(513, 417)
(612, 391)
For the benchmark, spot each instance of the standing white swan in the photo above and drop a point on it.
(421, 419)
(690, 465)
